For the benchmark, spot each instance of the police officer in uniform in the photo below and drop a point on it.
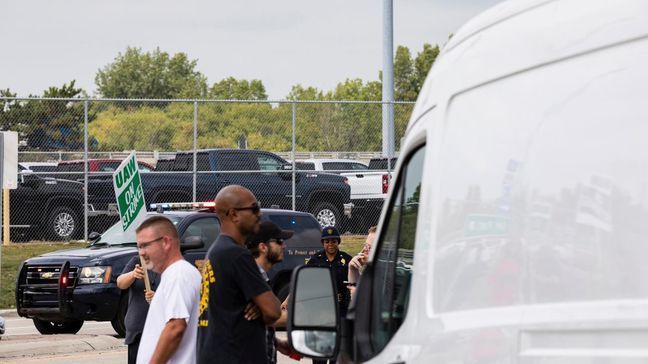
(338, 261)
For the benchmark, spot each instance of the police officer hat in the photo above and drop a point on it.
(330, 232)
(267, 231)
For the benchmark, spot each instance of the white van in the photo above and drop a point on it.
(517, 226)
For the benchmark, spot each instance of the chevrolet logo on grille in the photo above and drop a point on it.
(47, 275)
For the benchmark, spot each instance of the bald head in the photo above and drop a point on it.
(238, 212)
(230, 197)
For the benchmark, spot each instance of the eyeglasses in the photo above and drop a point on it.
(255, 208)
(277, 241)
(145, 244)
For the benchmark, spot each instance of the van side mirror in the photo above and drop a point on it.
(313, 319)
(191, 242)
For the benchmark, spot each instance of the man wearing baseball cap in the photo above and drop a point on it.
(267, 247)
(336, 260)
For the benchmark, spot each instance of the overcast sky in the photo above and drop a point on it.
(282, 42)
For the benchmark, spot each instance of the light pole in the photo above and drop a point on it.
(388, 82)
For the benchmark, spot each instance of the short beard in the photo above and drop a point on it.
(274, 257)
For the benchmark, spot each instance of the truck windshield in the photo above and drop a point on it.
(116, 236)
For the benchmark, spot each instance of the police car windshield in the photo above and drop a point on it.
(116, 236)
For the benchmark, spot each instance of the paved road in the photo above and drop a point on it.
(105, 357)
(95, 342)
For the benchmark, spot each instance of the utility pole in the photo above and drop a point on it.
(388, 82)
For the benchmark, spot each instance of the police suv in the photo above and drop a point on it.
(60, 290)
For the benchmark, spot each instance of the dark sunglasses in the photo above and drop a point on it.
(255, 208)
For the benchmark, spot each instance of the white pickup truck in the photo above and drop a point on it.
(368, 186)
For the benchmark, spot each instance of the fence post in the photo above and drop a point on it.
(294, 164)
(195, 149)
(85, 170)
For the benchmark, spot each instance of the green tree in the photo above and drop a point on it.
(334, 126)
(424, 61)
(144, 128)
(299, 92)
(46, 124)
(404, 76)
(355, 127)
(153, 75)
(233, 89)
(8, 110)
(57, 124)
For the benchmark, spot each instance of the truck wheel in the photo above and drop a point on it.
(118, 322)
(50, 327)
(327, 214)
(63, 223)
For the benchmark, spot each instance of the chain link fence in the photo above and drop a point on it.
(289, 153)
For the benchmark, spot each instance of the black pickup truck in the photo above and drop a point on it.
(62, 289)
(266, 174)
(45, 208)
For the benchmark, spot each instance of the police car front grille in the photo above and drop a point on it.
(48, 275)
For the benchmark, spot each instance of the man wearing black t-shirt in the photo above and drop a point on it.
(236, 302)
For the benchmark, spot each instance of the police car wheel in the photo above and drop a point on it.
(64, 327)
(118, 322)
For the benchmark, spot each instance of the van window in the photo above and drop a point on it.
(394, 260)
(542, 195)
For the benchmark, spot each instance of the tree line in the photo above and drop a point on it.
(168, 126)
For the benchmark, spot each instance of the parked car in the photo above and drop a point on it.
(45, 208)
(60, 290)
(368, 187)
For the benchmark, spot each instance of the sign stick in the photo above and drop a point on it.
(147, 283)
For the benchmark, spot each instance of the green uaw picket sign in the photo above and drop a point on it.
(129, 192)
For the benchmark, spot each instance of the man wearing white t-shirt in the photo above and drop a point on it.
(171, 326)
